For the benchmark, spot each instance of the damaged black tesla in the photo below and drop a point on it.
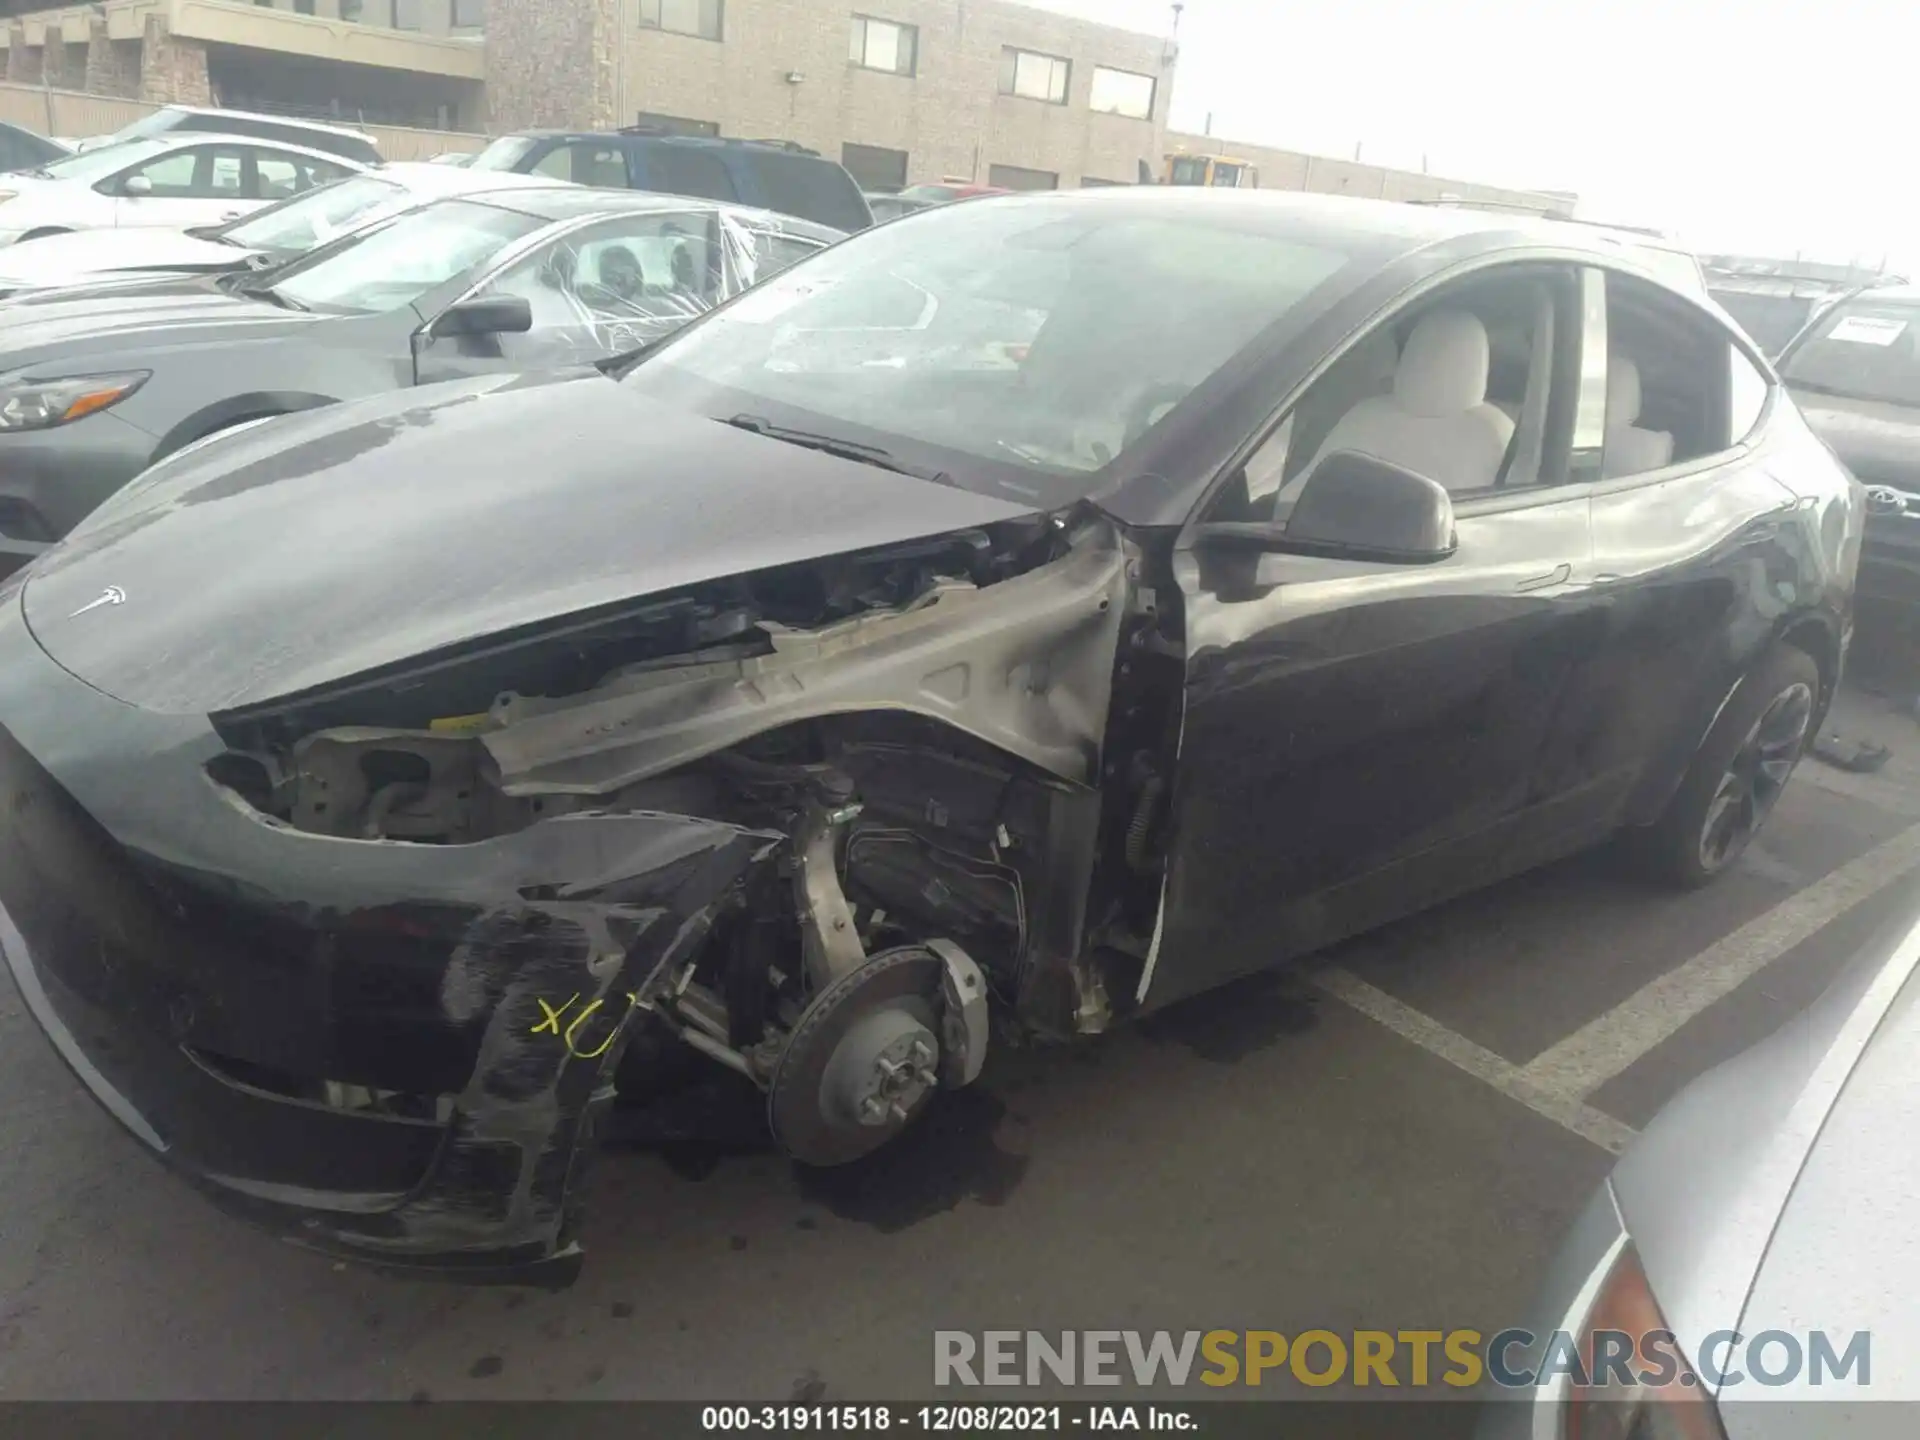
(1019, 617)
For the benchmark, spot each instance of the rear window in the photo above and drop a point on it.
(809, 187)
(1865, 349)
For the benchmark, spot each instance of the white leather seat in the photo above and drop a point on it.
(1437, 421)
(1630, 450)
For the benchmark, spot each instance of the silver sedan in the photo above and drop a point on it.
(1753, 1258)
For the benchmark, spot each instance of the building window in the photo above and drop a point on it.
(1094, 182)
(1015, 177)
(351, 9)
(469, 14)
(303, 7)
(1121, 92)
(406, 14)
(683, 17)
(1036, 76)
(874, 168)
(676, 125)
(883, 45)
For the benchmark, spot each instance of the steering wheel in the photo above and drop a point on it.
(1140, 416)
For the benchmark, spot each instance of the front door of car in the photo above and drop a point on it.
(1361, 734)
(198, 185)
(600, 289)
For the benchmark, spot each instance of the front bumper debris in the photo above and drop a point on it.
(413, 1079)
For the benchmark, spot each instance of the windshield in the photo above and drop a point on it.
(399, 262)
(88, 166)
(1022, 344)
(505, 153)
(1866, 349)
(297, 225)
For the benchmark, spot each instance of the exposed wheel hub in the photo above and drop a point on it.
(863, 1062)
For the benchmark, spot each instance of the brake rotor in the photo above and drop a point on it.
(862, 1063)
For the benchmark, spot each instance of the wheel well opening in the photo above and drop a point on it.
(1812, 637)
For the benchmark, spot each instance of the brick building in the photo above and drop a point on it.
(901, 91)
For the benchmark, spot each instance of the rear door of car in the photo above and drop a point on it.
(1694, 558)
(1361, 739)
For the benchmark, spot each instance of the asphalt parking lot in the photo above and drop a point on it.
(1392, 1137)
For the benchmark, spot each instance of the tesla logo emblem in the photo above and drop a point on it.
(112, 595)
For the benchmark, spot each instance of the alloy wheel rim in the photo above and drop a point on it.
(1758, 773)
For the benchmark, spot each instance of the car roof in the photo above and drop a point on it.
(1379, 225)
(295, 121)
(424, 178)
(557, 202)
(668, 137)
(181, 139)
(1394, 224)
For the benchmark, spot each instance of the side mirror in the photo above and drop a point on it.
(485, 315)
(1356, 507)
(136, 186)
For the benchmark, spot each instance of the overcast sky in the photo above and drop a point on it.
(1656, 112)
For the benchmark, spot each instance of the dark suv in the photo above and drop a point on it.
(768, 174)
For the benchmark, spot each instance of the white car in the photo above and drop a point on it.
(168, 183)
(173, 121)
(280, 232)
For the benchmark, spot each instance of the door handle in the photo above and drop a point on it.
(1559, 575)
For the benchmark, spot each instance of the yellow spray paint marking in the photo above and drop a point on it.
(580, 1054)
(551, 1025)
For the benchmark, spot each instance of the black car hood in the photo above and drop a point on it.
(324, 545)
(1878, 442)
(134, 317)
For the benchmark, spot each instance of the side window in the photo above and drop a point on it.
(226, 174)
(610, 287)
(685, 170)
(281, 174)
(774, 252)
(190, 174)
(586, 163)
(1672, 377)
(1460, 387)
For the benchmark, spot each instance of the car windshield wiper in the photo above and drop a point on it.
(269, 294)
(616, 366)
(831, 445)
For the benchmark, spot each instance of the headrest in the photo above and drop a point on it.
(1623, 391)
(1443, 369)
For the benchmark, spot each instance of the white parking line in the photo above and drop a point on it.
(1608, 1044)
(1485, 1066)
(1556, 1083)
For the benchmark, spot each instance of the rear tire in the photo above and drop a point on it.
(1738, 772)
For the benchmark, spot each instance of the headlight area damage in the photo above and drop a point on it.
(817, 822)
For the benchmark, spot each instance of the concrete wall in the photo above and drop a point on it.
(781, 71)
(1294, 170)
(65, 112)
